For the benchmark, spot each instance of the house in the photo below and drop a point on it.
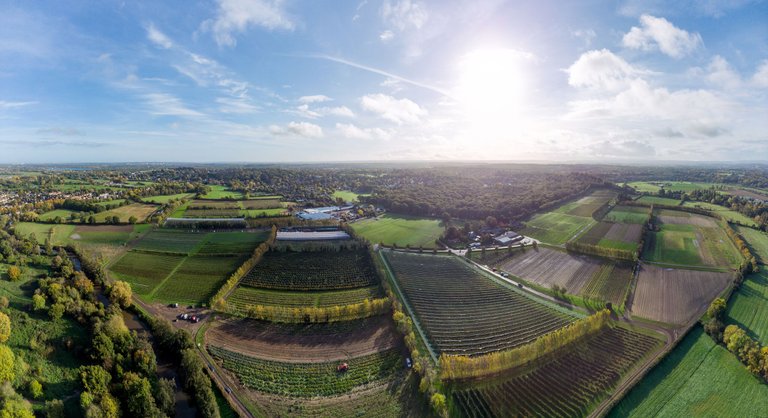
(508, 238)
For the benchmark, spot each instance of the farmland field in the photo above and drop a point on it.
(400, 230)
(728, 214)
(197, 278)
(614, 235)
(145, 271)
(313, 270)
(307, 379)
(627, 215)
(222, 192)
(161, 199)
(675, 296)
(61, 213)
(305, 342)
(59, 233)
(757, 242)
(562, 224)
(569, 385)
(232, 242)
(699, 378)
(748, 307)
(172, 241)
(658, 201)
(244, 296)
(140, 211)
(348, 196)
(465, 312)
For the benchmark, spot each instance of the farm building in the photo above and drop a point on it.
(508, 238)
(293, 235)
(323, 213)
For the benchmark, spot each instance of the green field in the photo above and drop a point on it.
(222, 192)
(728, 214)
(170, 241)
(748, 307)
(554, 227)
(757, 242)
(260, 213)
(658, 200)
(627, 215)
(140, 211)
(232, 242)
(110, 202)
(167, 198)
(400, 229)
(699, 378)
(59, 233)
(348, 196)
(670, 186)
(244, 296)
(197, 279)
(61, 213)
(145, 271)
(673, 244)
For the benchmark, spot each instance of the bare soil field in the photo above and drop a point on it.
(304, 343)
(625, 232)
(748, 193)
(696, 220)
(549, 267)
(103, 228)
(675, 296)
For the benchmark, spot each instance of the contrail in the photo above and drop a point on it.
(382, 72)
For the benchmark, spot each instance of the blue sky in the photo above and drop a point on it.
(332, 80)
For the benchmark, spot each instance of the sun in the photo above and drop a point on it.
(492, 85)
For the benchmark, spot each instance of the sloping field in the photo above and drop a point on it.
(587, 205)
(548, 267)
(305, 343)
(673, 218)
(757, 242)
(400, 230)
(675, 296)
(748, 307)
(61, 213)
(570, 385)
(465, 312)
(699, 378)
(222, 192)
(59, 234)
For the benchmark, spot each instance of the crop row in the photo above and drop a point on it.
(608, 284)
(244, 296)
(569, 385)
(170, 241)
(211, 213)
(145, 270)
(232, 242)
(198, 278)
(314, 270)
(307, 379)
(466, 313)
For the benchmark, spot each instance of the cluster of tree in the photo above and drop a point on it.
(11, 403)
(606, 252)
(189, 223)
(217, 301)
(21, 251)
(178, 345)
(736, 340)
(311, 314)
(749, 264)
(736, 175)
(454, 367)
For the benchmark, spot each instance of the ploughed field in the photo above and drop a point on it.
(590, 277)
(301, 343)
(569, 384)
(464, 312)
(675, 296)
(562, 224)
(322, 275)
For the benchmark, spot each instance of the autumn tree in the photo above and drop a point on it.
(14, 273)
(120, 293)
(7, 372)
(5, 327)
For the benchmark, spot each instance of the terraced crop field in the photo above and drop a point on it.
(465, 312)
(144, 271)
(197, 278)
(307, 379)
(748, 307)
(313, 270)
(675, 296)
(698, 378)
(244, 296)
(569, 385)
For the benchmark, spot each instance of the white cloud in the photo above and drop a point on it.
(657, 32)
(162, 104)
(317, 98)
(158, 38)
(386, 36)
(722, 74)
(238, 15)
(404, 14)
(348, 130)
(307, 112)
(303, 129)
(587, 35)
(760, 78)
(10, 105)
(387, 107)
(601, 69)
(236, 106)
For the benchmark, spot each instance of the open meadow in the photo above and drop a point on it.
(124, 213)
(748, 307)
(567, 221)
(400, 230)
(757, 241)
(698, 378)
(222, 192)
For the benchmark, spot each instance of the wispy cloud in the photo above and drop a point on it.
(657, 32)
(300, 129)
(383, 73)
(238, 15)
(11, 105)
(317, 98)
(58, 131)
(163, 104)
(158, 38)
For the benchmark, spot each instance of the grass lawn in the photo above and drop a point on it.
(167, 198)
(644, 187)
(728, 214)
(699, 378)
(62, 213)
(110, 202)
(555, 227)
(658, 200)
(140, 211)
(627, 215)
(748, 307)
(401, 230)
(59, 233)
(222, 192)
(757, 241)
(348, 196)
(673, 244)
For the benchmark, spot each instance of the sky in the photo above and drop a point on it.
(368, 80)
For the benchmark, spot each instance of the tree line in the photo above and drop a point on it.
(453, 366)
(314, 315)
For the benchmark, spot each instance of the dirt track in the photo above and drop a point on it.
(303, 343)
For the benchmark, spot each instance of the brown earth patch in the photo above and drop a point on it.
(695, 220)
(103, 228)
